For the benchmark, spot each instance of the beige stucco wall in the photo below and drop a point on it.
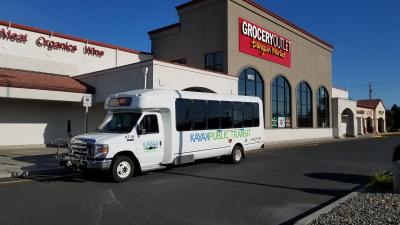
(379, 112)
(340, 93)
(202, 30)
(375, 115)
(120, 79)
(344, 128)
(30, 122)
(176, 77)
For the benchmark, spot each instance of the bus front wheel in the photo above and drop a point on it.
(122, 168)
(237, 154)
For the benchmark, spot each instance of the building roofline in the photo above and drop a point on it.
(41, 86)
(163, 28)
(258, 6)
(193, 67)
(361, 101)
(343, 89)
(70, 37)
(81, 76)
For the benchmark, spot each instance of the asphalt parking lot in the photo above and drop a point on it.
(274, 186)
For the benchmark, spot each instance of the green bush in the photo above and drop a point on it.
(396, 153)
(381, 181)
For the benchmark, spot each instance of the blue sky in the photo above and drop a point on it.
(365, 33)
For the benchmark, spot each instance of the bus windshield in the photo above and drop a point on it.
(119, 122)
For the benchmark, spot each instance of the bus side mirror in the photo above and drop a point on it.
(140, 130)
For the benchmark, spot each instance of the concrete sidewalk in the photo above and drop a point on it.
(22, 162)
(314, 141)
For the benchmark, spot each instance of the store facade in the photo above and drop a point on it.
(353, 118)
(371, 116)
(221, 46)
(38, 92)
(289, 68)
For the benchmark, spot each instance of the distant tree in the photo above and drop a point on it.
(389, 120)
(394, 108)
(395, 113)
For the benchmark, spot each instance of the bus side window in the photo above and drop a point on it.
(256, 120)
(183, 108)
(148, 125)
(248, 116)
(213, 115)
(199, 114)
(226, 115)
(238, 114)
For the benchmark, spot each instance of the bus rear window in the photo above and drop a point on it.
(122, 101)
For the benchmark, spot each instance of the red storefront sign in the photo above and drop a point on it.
(13, 36)
(92, 51)
(55, 45)
(262, 43)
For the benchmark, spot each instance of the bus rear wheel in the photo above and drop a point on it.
(122, 168)
(236, 155)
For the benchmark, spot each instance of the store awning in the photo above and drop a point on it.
(42, 86)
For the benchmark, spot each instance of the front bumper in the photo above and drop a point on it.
(78, 162)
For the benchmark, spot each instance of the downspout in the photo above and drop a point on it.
(116, 57)
(146, 72)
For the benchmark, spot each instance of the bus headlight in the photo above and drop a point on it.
(100, 151)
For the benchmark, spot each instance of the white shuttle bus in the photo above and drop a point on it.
(149, 129)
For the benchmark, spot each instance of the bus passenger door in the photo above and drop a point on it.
(150, 144)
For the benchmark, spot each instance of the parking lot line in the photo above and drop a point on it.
(35, 179)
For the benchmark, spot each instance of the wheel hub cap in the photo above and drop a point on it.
(123, 169)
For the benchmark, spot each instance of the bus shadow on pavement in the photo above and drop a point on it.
(340, 177)
(330, 176)
(68, 175)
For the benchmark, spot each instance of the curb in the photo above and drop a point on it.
(310, 142)
(308, 219)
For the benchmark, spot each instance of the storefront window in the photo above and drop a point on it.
(304, 105)
(322, 107)
(251, 83)
(281, 103)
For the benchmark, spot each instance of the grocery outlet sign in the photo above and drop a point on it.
(262, 43)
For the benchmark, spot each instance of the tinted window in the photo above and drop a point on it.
(238, 114)
(226, 115)
(251, 83)
(322, 107)
(280, 100)
(214, 61)
(256, 111)
(304, 105)
(183, 109)
(248, 114)
(214, 111)
(199, 114)
(119, 123)
(148, 125)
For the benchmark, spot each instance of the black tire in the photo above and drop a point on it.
(236, 155)
(122, 168)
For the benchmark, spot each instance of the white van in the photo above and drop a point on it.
(149, 129)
